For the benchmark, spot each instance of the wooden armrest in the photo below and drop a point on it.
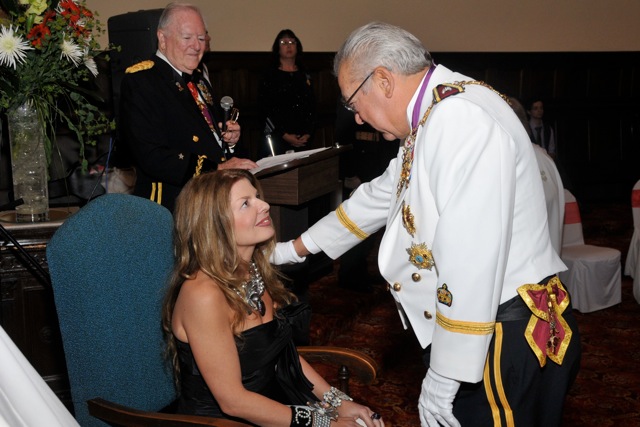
(124, 416)
(359, 364)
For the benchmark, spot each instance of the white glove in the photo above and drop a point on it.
(285, 253)
(436, 400)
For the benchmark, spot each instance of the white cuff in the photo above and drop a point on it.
(309, 243)
(285, 253)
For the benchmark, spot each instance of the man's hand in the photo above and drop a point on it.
(297, 141)
(232, 134)
(436, 400)
(237, 163)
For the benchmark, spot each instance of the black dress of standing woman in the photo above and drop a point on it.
(286, 98)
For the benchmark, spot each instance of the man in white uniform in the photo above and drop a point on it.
(554, 195)
(466, 249)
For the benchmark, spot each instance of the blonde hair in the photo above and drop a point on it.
(204, 240)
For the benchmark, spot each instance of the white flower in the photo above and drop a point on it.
(12, 48)
(71, 51)
(90, 63)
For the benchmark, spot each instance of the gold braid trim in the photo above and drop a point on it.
(144, 65)
(156, 192)
(481, 83)
(493, 377)
(199, 165)
(409, 142)
(350, 225)
(468, 328)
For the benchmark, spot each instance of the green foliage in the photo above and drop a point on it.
(47, 51)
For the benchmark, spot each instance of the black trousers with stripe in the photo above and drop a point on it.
(515, 390)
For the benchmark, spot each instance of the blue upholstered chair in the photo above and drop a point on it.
(109, 264)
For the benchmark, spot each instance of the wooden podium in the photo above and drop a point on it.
(293, 190)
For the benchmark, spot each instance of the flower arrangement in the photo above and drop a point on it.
(47, 52)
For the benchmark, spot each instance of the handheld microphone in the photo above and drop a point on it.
(268, 129)
(226, 103)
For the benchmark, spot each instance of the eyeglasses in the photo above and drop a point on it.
(289, 42)
(347, 104)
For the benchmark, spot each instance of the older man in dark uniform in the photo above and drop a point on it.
(168, 119)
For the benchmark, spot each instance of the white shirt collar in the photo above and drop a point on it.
(165, 59)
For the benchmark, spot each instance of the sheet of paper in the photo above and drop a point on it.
(268, 162)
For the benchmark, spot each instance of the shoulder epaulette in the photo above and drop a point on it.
(144, 65)
(445, 90)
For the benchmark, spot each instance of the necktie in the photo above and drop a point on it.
(539, 136)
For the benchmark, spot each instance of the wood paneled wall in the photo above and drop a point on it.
(591, 99)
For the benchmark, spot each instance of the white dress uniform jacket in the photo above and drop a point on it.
(475, 200)
(554, 195)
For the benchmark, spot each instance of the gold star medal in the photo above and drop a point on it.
(420, 256)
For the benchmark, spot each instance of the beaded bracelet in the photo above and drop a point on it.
(334, 397)
(302, 416)
(319, 414)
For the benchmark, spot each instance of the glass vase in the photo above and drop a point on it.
(28, 163)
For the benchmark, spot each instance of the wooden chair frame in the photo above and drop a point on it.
(349, 361)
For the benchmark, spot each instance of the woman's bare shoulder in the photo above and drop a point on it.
(201, 291)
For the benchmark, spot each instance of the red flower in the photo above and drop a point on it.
(49, 16)
(74, 14)
(38, 34)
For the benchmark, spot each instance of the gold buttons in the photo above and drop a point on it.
(427, 315)
(416, 277)
(397, 286)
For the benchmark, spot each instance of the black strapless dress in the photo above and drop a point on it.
(269, 364)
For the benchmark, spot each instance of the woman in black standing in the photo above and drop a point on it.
(286, 98)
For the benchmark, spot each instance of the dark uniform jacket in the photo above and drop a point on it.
(164, 130)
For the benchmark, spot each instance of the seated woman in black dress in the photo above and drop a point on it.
(227, 316)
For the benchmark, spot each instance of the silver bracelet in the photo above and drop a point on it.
(334, 397)
(321, 420)
(324, 409)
